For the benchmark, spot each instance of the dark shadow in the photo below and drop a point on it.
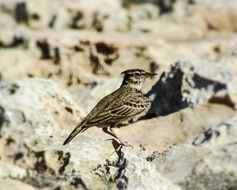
(174, 90)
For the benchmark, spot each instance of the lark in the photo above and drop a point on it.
(122, 104)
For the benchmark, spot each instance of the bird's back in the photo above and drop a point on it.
(123, 103)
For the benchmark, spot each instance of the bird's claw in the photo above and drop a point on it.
(125, 143)
(120, 143)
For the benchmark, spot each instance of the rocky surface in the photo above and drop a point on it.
(58, 59)
(162, 132)
(34, 113)
(207, 163)
(187, 84)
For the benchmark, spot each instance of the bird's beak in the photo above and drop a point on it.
(150, 74)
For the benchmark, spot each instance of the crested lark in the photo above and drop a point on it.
(120, 105)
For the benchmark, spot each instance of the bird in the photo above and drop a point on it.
(117, 107)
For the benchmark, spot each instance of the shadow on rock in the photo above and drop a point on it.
(179, 88)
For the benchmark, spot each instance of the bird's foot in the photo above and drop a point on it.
(125, 143)
(120, 142)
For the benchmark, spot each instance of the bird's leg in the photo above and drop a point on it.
(111, 132)
(123, 143)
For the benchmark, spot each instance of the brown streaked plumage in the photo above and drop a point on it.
(120, 105)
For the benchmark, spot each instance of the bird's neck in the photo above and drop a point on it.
(137, 85)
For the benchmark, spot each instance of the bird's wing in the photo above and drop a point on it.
(120, 108)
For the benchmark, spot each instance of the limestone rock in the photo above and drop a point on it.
(33, 115)
(185, 85)
(225, 20)
(188, 138)
(175, 129)
(209, 162)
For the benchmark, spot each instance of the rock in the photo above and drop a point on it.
(225, 20)
(92, 93)
(49, 99)
(164, 6)
(208, 163)
(34, 113)
(183, 86)
(8, 184)
(76, 15)
(21, 14)
(175, 129)
(84, 48)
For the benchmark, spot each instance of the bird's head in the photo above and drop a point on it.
(135, 77)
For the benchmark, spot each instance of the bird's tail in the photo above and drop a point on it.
(78, 129)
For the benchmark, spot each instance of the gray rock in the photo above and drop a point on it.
(32, 154)
(158, 134)
(85, 47)
(184, 86)
(208, 163)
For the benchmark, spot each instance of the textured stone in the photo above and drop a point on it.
(226, 17)
(34, 113)
(185, 85)
(162, 132)
(208, 162)
(84, 47)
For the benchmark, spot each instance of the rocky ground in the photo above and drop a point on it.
(59, 58)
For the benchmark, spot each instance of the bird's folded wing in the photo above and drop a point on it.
(119, 110)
